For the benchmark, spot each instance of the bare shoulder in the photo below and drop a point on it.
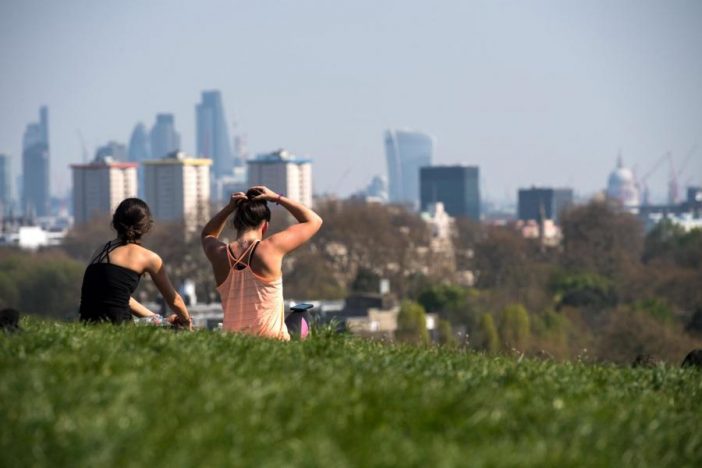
(212, 246)
(268, 250)
(269, 243)
(151, 260)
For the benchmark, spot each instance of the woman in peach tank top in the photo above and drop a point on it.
(248, 271)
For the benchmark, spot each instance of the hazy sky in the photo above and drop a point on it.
(534, 92)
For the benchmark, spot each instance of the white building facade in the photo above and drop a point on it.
(283, 173)
(177, 188)
(100, 186)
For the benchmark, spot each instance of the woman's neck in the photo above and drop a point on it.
(119, 241)
(248, 236)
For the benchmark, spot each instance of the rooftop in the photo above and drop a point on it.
(180, 158)
(279, 156)
(101, 162)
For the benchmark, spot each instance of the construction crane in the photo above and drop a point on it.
(673, 185)
(82, 144)
(642, 180)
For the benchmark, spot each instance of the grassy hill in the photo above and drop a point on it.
(103, 396)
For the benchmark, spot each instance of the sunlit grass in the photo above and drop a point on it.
(137, 396)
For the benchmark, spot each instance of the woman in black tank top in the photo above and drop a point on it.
(106, 293)
(107, 289)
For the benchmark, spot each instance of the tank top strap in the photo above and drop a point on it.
(103, 254)
(230, 255)
(239, 260)
(251, 252)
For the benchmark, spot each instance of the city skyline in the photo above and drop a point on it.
(36, 163)
(541, 93)
(213, 135)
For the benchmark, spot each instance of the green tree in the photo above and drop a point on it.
(412, 324)
(489, 341)
(656, 308)
(668, 243)
(445, 333)
(583, 290)
(514, 327)
(451, 302)
(44, 283)
(9, 295)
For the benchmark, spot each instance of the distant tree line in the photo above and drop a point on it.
(609, 288)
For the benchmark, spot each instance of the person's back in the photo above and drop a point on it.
(115, 270)
(107, 288)
(248, 271)
(252, 304)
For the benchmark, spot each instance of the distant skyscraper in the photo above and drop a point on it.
(98, 187)
(406, 152)
(212, 134)
(112, 149)
(283, 173)
(139, 151)
(543, 203)
(5, 184)
(139, 145)
(35, 166)
(164, 137)
(241, 151)
(178, 189)
(457, 187)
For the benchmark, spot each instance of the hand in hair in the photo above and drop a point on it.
(264, 193)
(237, 198)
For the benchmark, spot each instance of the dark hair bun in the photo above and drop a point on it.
(251, 213)
(132, 219)
(253, 193)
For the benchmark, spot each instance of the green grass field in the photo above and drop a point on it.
(136, 396)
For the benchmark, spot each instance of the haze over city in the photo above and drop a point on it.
(546, 93)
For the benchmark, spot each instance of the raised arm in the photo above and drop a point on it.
(157, 271)
(213, 229)
(293, 237)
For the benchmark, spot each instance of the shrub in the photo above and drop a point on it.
(514, 327)
(445, 333)
(630, 332)
(583, 290)
(42, 284)
(412, 324)
(489, 341)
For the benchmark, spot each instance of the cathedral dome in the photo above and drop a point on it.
(622, 186)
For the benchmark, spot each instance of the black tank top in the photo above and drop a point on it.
(106, 289)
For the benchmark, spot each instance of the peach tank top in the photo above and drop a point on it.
(251, 304)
